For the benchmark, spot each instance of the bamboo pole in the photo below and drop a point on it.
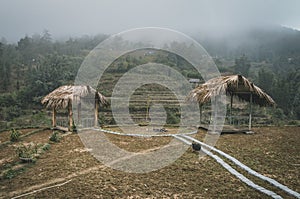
(230, 112)
(79, 112)
(231, 102)
(215, 113)
(201, 114)
(96, 112)
(54, 117)
(250, 112)
(70, 112)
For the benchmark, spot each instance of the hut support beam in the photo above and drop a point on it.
(200, 114)
(96, 112)
(250, 112)
(54, 117)
(79, 113)
(70, 112)
(230, 111)
(215, 112)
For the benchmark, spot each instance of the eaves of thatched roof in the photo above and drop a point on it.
(235, 85)
(62, 96)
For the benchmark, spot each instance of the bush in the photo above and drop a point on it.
(55, 136)
(46, 147)
(172, 118)
(293, 122)
(8, 113)
(28, 151)
(15, 135)
(11, 173)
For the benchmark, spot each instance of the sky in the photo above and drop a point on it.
(64, 18)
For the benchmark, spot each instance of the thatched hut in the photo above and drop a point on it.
(64, 96)
(232, 85)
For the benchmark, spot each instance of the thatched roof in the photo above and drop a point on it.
(60, 97)
(235, 85)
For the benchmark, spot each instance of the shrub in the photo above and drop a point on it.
(55, 136)
(46, 147)
(15, 135)
(27, 152)
(172, 118)
(10, 112)
(9, 174)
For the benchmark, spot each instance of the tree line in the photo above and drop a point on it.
(37, 64)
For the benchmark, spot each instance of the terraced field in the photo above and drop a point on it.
(68, 170)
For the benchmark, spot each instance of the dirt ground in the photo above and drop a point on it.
(68, 170)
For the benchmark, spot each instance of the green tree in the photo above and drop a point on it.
(266, 80)
(242, 65)
(285, 93)
(9, 60)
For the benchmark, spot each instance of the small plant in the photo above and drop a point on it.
(15, 135)
(55, 137)
(27, 152)
(11, 173)
(46, 147)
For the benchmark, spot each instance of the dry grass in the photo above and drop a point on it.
(235, 85)
(62, 96)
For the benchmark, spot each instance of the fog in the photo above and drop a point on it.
(80, 17)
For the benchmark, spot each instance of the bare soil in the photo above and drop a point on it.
(272, 151)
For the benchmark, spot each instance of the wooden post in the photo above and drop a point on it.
(250, 112)
(70, 115)
(215, 113)
(54, 117)
(230, 112)
(201, 114)
(96, 112)
(79, 112)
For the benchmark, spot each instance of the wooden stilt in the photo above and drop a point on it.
(230, 111)
(54, 117)
(250, 113)
(70, 112)
(215, 114)
(79, 112)
(96, 112)
(201, 114)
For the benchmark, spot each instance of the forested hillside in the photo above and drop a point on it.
(269, 56)
(36, 65)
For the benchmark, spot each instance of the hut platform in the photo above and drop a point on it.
(228, 129)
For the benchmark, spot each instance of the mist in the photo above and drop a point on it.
(77, 17)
